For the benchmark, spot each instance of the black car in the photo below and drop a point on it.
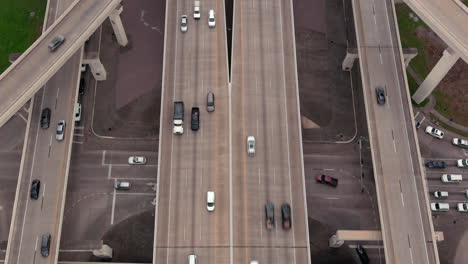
(286, 216)
(35, 188)
(362, 254)
(435, 164)
(380, 93)
(45, 118)
(81, 90)
(195, 124)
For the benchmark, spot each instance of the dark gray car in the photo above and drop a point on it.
(45, 244)
(56, 42)
(380, 93)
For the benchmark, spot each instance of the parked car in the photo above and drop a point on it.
(440, 207)
(269, 215)
(35, 189)
(462, 163)
(45, 118)
(56, 42)
(440, 194)
(462, 207)
(77, 112)
(460, 142)
(136, 160)
(251, 146)
(324, 179)
(60, 130)
(122, 185)
(183, 23)
(210, 105)
(435, 164)
(286, 216)
(452, 178)
(211, 19)
(435, 132)
(195, 122)
(380, 93)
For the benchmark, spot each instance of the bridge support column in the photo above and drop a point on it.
(97, 69)
(338, 239)
(449, 58)
(117, 25)
(352, 54)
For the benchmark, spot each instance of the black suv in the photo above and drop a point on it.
(436, 164)
(45, 118)
(286, 216)
(195, 124)
(35, 188)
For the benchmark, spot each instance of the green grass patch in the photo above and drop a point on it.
(18, 29)
(407, 27)
(465, 2)
(448, 127)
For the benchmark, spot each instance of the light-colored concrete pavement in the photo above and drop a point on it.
(195, 62)
(46, 159)
(448, 18)
(264, 104)
(37, 64)
(405, 221)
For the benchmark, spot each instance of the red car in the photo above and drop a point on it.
(322, 178)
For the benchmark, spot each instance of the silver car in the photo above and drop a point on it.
(251, 146)
(56, 42)
(60, 133)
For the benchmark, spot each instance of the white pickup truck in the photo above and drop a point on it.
(196, 10)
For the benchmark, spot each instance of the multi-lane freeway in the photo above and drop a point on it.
(261, 102)
(38, 64)
(406, 224)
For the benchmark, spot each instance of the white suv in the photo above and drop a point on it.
(435, 132)
(460, 142)
(462, 163)
(462, 207)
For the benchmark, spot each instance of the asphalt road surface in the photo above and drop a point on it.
(264, 104)
(405, 220)
(195, 62)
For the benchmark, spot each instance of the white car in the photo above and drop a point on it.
(460, 142)
(211, 19)
(196, 10)
(136, 160)
(251, 146)
(60, 132)
(435, 132)
(439, 207)
(183, 23)
(462, 163)
(440, 194)
(210, 201)
(462, 207)
(77, 112)
(83, 67)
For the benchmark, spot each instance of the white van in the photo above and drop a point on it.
(210, 201)
(77, 112)
(452, 178)
(192, 259)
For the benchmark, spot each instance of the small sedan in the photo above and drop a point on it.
(462, 163)
(462, 207)
(56, 42)
(251, 146)
(35, 188)
(434, 132)
(435, 164)
(460, 142)
(286, 216)
(324, 179)
(183, 23)
(440, 207)
(380, 93)
(440, 194)
(60, 130)
(136, 160)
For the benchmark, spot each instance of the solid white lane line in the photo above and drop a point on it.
(103, 158)
(109, 172)
(113, 204)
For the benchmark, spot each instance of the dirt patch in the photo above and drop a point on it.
(452, 92)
